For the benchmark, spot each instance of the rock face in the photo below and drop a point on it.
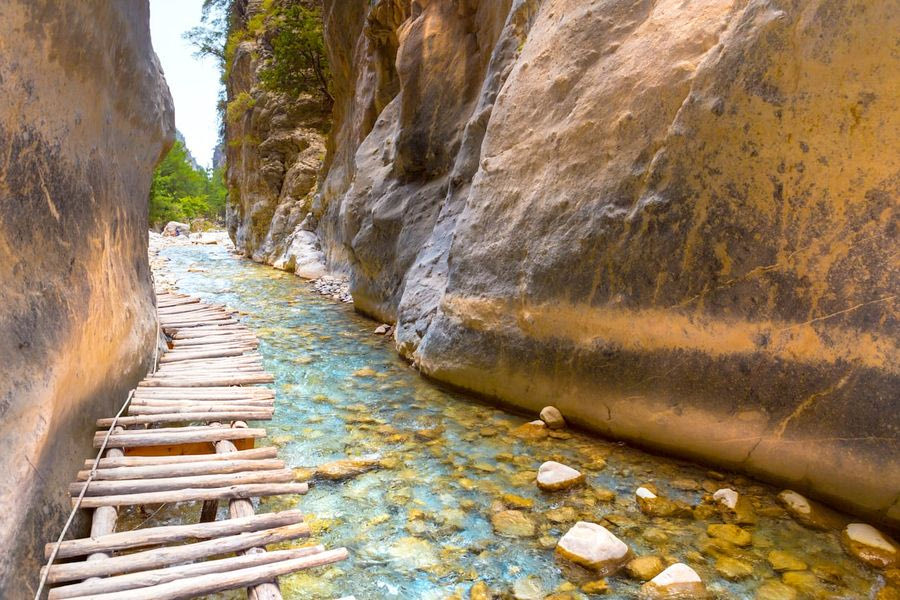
(275, 147)
(84, 116)
(673, 221)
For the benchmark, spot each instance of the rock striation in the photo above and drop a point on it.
(84, 116)
(672, 221)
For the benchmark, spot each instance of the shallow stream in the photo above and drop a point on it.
(419, 525)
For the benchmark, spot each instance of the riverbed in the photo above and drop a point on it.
(420, 523)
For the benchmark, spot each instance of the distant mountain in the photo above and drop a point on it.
(218, 160)
(180, 137)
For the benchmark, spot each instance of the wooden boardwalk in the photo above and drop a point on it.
(185, 438)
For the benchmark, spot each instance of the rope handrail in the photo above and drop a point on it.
(45, 572)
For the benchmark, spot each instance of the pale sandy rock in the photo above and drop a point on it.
(552, 417)
(870, 545)
(558, 201)
(727, 497)
(809, 513)
(677, 581)
(175, 229)
(593, 546)
(84, 116)
(554, 476)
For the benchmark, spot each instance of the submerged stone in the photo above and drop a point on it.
(644, 568)
(729, 533)
(809, 513)
(480, 591)
(528, 588)
(345, 468)
(775, 590)
(595, 587)
(785, 561)
(553, 476)
(593, 546)
(533, 430)
(677, 581)
(654, 505)
(733, 568)
(512, 523)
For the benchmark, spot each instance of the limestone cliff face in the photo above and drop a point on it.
(84, 116)
(674, 221)
(275, 147)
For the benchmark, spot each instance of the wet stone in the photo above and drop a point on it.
(869, 545)
(593, 546)
(644, 568)
(512, 523)
(732, 568)
(598, 586)
(729, 533)
(654, 505)
(775, 590)
(554, 476)
(552, 417)
(480, 591)
(785, 561)
(809, 513)
(528, 588)
(677, 581)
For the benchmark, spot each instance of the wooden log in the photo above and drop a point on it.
(165, 484)
(157, 576)
(175, 310)
(256, 405)
(205, 322)
(245, 360)
(140, 461)
(260, 415)
(219, 392)
(160, 557)
(249, 490)
(162, 430)
(148, 438)
(155, 536)
(178, 302)
(209, 382)
(177, 356)
(104, 518)
(215, 339)
(185, 588)
(196, 332)
(200, 467)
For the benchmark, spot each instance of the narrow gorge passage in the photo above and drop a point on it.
(433, 492)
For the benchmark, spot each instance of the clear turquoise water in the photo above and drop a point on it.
(421, 526)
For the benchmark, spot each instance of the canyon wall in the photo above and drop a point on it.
(676, 221)
(275, 146)
(84, 116)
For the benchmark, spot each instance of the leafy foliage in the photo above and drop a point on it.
(298, 63)
(179, 192)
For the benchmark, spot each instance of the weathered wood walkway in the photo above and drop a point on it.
(185, 438)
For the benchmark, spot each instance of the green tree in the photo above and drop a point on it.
(179, 192)
(298, 63)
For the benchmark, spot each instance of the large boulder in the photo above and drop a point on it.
(175, 229)
(84, 116)
(641, 213)
(593, 546)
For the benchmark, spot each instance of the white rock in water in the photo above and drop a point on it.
(554, 476)
(677, 581)
(795, 502)
(726, 496)
(869, 536)
(593, 546)
(644, 493)
(382, 329)
(552, 417)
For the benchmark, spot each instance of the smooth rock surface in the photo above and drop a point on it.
(553, 476)
(677, 581)
(633, 211)
(870, 545)
(552, 417)
(85, 114)
(593, 546)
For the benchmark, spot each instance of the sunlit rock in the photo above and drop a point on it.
(346, 468)
(480, 591)
(677, 581)
(553, 476)
(413, 552)
(733, 568)
(174, 229)
(552, 417)
(593, 546)
(528, 588)
(870, 545)
(654, 505)
(809, 513)
(726, 497)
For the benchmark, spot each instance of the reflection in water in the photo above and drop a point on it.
(417, 516)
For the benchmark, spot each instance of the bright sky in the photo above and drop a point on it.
(194, 82)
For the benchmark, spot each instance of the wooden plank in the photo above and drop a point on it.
(199, 467)
(209, 382)
(169, 439)
(195, 332)
(221, 352)
(218, 392)
(157, 576)
(259, 415)
(165, 484)
(155, 536)
(179, 302)
(138, 461)
(202, 585)
(160, 557)
(257, 405)
(215, 339)
(249, 490)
